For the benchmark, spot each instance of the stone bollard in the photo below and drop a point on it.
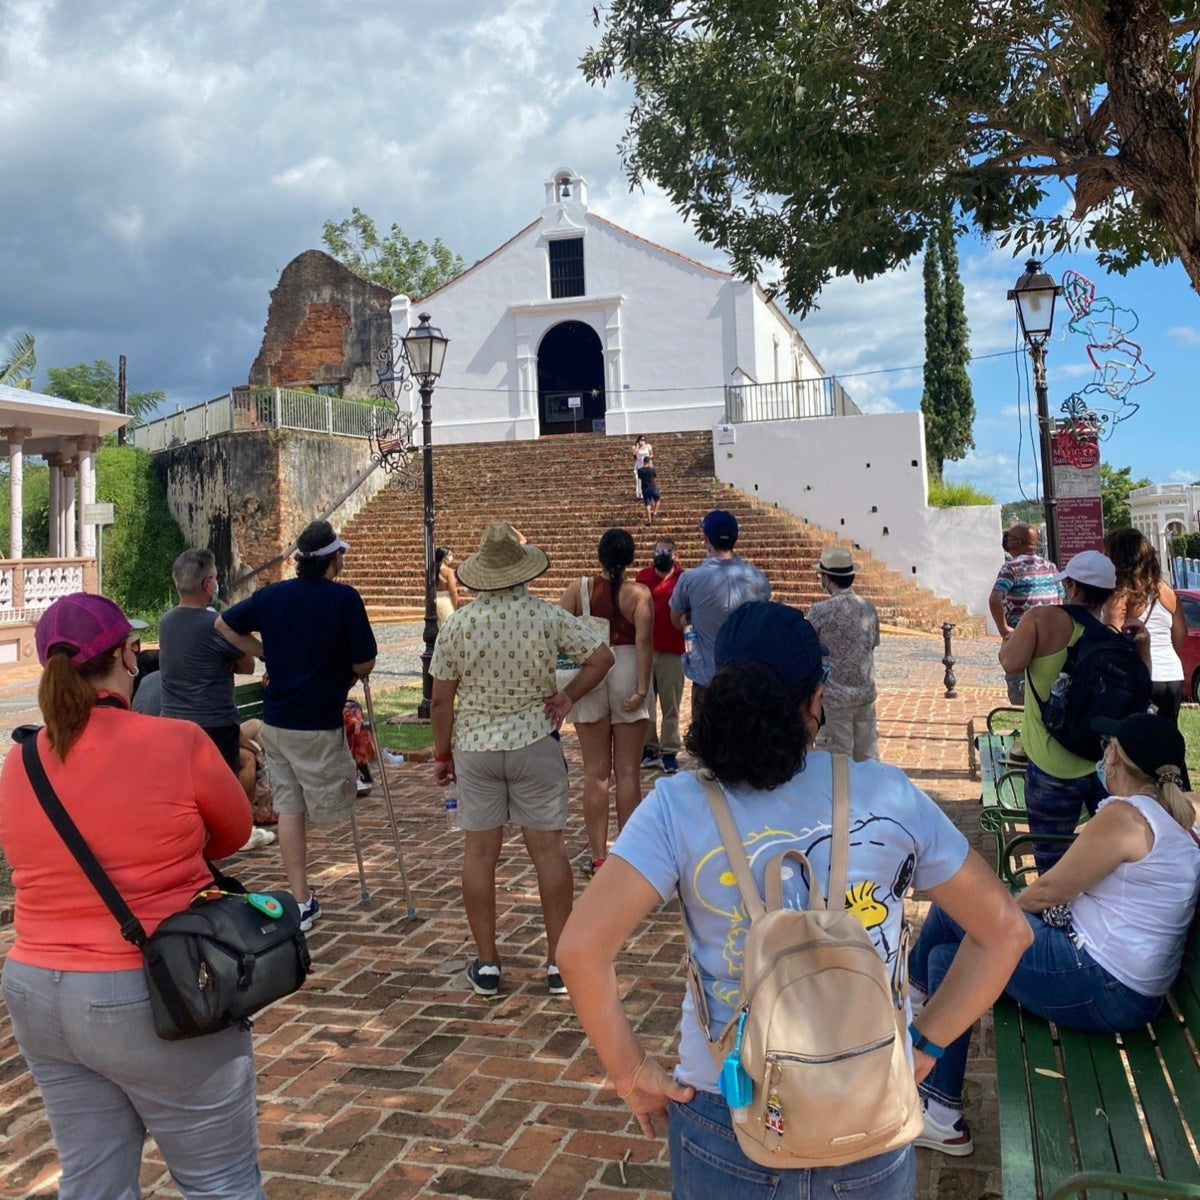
(948, 660)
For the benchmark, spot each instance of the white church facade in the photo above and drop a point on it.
(578, 325)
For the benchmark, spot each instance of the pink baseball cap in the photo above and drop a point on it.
(88, 624)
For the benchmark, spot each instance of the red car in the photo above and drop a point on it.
(1191, 648)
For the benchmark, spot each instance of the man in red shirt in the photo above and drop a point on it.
(668, 661)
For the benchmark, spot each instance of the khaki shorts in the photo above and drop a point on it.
(527, 787)
(311, 772)
(608, 698)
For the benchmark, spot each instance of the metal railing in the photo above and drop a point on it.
(788, 400)
(248, 408)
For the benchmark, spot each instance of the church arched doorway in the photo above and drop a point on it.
(570, 364)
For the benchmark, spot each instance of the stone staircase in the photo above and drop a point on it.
(562, 492)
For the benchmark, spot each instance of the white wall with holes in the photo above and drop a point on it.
(864, 479)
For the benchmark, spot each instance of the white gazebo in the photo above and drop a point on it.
(66, 435)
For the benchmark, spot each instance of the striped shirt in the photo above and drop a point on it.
(1027, 581)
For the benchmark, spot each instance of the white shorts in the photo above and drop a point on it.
(607, 699)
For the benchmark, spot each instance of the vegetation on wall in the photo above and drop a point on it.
(956, 495)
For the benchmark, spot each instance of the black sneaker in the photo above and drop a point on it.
(554, 981)
(650, 760)
(670, 764)
(485, 978)
(310, 910)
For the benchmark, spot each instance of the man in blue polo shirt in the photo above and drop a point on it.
(317, 642)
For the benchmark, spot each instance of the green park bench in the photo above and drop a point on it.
(249, 699)
(1102, 1115)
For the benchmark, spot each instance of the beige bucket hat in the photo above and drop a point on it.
(501, 561)
(836, 561)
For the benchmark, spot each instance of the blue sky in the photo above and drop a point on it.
(164, 162)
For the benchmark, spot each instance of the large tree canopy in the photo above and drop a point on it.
(394, 260)
(823, 136)
(96, 384)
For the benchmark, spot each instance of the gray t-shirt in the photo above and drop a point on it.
(147, 700)
(196, 664)
(710, 592)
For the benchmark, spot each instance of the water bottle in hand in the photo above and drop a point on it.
(452, 814)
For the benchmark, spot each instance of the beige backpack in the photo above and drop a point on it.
(823, 1036)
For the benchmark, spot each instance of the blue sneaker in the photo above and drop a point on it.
(650, 760)
(485, 978)
(310, 910)
(670, 764)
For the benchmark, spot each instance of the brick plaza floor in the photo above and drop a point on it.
(386, 1078)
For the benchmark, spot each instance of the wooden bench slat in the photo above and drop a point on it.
(1016, 1130)
(1093, 1138)
(1052, 1134)
(1117, 1102)
(1155, 1082)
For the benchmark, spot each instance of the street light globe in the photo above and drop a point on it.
(1035, 293)
(425, 349)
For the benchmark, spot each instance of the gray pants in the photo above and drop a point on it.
(850, 730)
(107, 1080)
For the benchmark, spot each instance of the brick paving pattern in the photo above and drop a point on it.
(387, 1078)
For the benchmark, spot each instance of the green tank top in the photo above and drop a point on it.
(1043, 750)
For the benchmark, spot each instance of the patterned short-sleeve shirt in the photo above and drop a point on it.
(848, 626)
(503, 649)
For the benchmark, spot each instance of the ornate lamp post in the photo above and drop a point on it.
(424, 352)
(1034, 294)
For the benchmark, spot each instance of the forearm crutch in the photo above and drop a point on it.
(362, 875)
(387, 797)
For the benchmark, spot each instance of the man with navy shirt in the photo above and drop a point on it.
(317, 642)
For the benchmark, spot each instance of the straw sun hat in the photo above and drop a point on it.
(501, 561)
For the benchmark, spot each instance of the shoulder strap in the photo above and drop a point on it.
(733, 845)
(839, 852)
(131, 928)
(585, 598)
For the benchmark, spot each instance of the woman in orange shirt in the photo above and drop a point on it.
(153, 799)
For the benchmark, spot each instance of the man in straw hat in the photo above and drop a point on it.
(317, 641)
(848, 625)
(498, 656)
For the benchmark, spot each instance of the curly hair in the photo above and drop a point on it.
(751, 728)
(1138, 569)
(615, 553)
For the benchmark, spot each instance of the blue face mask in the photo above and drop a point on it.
(1101, 775)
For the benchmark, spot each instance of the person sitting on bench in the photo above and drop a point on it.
(1109, 918)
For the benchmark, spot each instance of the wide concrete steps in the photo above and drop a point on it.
(563, 492)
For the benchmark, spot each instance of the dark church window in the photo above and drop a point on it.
(566, 268)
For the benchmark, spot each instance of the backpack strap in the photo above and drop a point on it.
(734, 850)
(839, 853)
(585, 596)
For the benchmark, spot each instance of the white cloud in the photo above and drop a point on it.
(1188, 334)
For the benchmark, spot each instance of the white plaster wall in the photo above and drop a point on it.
(863, 478)
(672, 332)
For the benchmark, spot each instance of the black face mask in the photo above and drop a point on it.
(664, 560)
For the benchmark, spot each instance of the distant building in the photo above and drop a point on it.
(577, 324)
(1164, 510)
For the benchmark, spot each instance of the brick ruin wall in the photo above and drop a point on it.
(325, 326)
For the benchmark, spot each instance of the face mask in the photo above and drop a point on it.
(216, 589)
(664, 560)
(1100, 774)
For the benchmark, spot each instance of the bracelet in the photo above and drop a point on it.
(444, 758)
(922, 1043)
(633, 1082)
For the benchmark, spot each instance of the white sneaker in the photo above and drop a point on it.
(259, 837)
(953, 1139)
(362, 786)
(391, 759)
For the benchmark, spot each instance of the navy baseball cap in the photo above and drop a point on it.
(1150, 742)
(721, 528)
(771, 633)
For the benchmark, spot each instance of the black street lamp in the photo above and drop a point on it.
(425, 350)
(1035, 293)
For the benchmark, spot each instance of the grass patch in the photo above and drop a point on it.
(401, 702)
(955, 495)
(1189, 726)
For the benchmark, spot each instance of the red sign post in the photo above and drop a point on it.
(1076, 461)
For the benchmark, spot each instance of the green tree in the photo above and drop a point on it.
(935, 358)
(95, 384)
(19, 362)
(394, 261)
(824, 136)
(1115, 486)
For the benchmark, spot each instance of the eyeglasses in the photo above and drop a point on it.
(824, 673)
(1105, 740)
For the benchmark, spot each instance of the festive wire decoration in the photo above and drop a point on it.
(390, 429)
(1117, 362)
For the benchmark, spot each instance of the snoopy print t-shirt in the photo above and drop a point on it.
(899, 839)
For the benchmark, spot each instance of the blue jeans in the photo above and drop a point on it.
(708, 1164)
(1054, 806)
(1054, 978)
(106, 1080)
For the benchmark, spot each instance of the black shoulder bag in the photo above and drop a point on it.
(214, 964)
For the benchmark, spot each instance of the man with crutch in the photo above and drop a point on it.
(317, 642)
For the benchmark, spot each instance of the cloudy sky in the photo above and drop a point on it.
(164, 161)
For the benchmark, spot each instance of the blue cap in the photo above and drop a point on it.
(721, 528)
(771, 633)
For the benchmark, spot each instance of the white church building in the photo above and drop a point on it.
(575, 324)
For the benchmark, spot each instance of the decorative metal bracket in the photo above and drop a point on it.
(391, 430)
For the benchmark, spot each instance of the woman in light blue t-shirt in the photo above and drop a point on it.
(759, 720)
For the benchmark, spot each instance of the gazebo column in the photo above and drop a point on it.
(55, 463)
(69, 470)
(16, 436)
(87, 494)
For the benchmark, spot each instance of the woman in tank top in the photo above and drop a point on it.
(1109, 919)
(610, 720)
(1142, 595)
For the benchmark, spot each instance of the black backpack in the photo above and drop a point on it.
(1105, 677)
